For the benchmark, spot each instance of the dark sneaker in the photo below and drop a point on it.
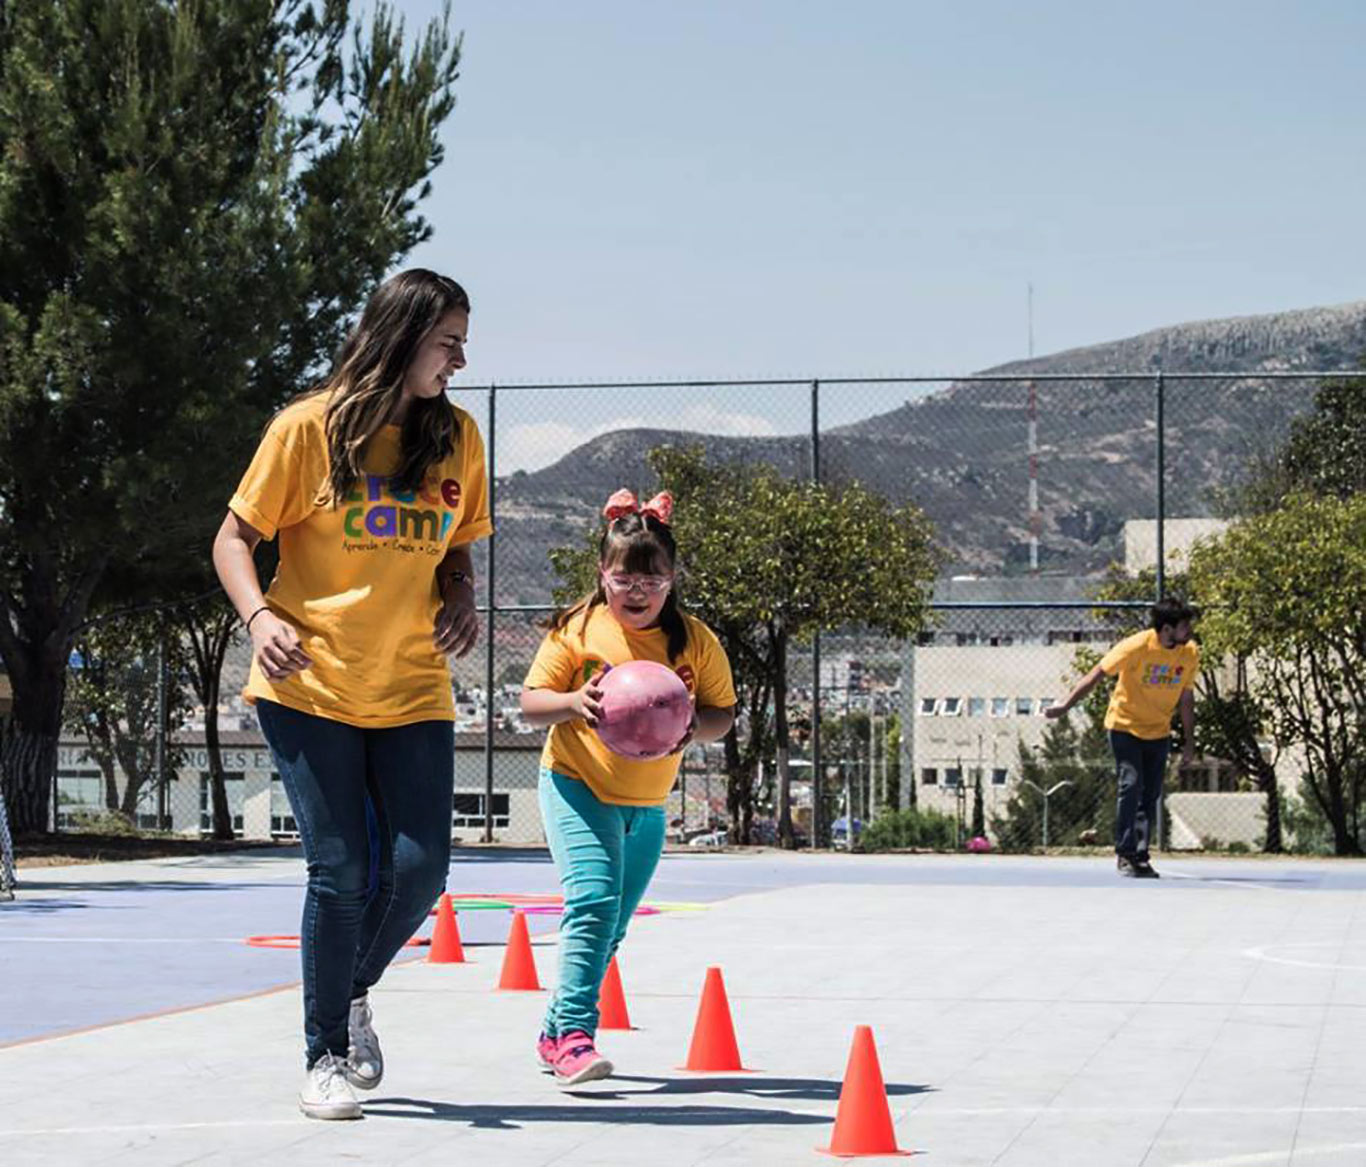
(1126, 867)
(1144, 870)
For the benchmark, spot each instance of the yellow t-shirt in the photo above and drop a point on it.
(1151, 679)
(358, 581)
(569, 656)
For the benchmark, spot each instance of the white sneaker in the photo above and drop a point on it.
(364, 1061)
(326, 1093)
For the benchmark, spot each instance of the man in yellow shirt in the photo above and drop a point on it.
(1155, 673)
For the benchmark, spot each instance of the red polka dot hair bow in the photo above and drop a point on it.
(624, 503)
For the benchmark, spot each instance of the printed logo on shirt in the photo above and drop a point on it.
(1163, 676)
(378, 512)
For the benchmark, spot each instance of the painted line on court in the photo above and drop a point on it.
(120, 940)
(138, 1128)
(153, 1016)
(1263, 953)
(1257, 1158)
(1247, 1159)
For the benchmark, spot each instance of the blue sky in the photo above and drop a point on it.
(663, 190)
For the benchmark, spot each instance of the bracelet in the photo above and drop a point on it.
(262, 608)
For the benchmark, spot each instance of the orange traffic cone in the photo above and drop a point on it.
(446, 948)
(713, 1045)
(863, 1122)
(519, 965)
(612, 1012)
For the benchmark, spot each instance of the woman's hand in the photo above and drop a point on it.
(457, 624)
(276, 647)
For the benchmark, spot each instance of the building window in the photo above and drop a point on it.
(467, 810)
(1045, 703)
(977, 706)
(282, 824)
(235, 785)
(953, 706)
(79, 793)
(953, 776)
(999, 776)
(1024, 706)
(928, 705)
(1002, 641)
(929, 776)
(1000, 706)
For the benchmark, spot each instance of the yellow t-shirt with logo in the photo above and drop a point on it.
(1151, 679)
(570, 655)
(358, 581)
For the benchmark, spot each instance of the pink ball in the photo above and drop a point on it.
(645, 709)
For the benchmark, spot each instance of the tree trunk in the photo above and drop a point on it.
(1274, 844)
(739, 787)
(786, 836)
(134, 778)
(209, 637)
(222, 816)
(28, 754)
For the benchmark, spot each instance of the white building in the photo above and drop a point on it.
(978, 683)
(256, 796)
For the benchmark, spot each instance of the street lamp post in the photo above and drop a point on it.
(1046, 795)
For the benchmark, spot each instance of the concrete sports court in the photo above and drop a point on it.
(1027, 1013)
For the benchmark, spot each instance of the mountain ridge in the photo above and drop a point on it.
(961, 452)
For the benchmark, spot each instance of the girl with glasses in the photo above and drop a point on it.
(604, 813)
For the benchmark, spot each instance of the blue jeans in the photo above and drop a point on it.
(1141, 765)
(605, 855)
(352, 928)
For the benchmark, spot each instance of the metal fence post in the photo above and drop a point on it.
(817, 768)
(492, 610)
(163, 812)
(1161, 419)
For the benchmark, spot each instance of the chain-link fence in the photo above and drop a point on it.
(1035, 487)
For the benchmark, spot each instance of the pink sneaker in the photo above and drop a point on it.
(545, 1051)
(577, 1060)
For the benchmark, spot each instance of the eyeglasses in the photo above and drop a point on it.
(620, 584)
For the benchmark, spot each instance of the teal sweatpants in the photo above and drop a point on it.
(605, 856)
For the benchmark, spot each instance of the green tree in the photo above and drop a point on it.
(1085, 806)
(979, 818)
(1284, 591)
(1323, 453)
(114, 699)
(771, 561)
(194, 199)
(767, 562)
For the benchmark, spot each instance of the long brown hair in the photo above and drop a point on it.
(366, 382)
(637, 542)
